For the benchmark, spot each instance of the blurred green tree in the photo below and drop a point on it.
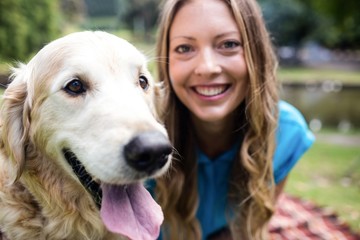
(140, 15)
(289, 22)
(334, 24)
(339, 22)
(12, 31)
(25, 26)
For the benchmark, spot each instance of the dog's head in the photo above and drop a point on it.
(87, 101)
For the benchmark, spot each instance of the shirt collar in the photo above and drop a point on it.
(226, 156)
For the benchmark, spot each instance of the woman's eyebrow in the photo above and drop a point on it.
(182, 36)
(228, 33)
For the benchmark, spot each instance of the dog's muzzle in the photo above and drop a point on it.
(146, 153)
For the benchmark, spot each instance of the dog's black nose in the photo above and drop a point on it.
(148, 151)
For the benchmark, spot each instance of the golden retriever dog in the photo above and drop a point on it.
(79, 135)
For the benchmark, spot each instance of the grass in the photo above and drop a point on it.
(311, 74)
(329, 175)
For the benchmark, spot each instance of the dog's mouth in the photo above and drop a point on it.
(85, 178)
(128, 210)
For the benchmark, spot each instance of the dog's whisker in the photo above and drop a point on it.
(176, 155)
(159, 59)
(149, 52)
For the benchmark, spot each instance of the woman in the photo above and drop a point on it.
(236, 142)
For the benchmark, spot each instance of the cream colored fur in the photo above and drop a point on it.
(40, 196)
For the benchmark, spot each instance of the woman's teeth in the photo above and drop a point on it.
(210, 91)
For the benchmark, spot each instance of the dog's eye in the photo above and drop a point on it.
(75, 87)
(144, 83)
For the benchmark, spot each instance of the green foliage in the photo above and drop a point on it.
(12, 31)
(334, 24)
(141, 15)
(25, 26)
(341, 22)
(289, 22)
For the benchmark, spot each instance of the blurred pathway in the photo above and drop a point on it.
(339, 139)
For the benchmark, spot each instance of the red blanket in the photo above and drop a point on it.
(296, 219)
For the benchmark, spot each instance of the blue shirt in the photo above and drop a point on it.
(293, 140)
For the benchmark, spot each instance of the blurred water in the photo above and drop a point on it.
(326, 104)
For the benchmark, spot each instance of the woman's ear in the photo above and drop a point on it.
(14, 117)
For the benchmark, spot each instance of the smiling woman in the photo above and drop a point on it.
(236, 142)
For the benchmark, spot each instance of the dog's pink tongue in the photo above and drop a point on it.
(131, 211)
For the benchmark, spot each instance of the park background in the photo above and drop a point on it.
(318, 46)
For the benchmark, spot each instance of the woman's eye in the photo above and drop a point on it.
(183, 49)
(75, 87)
(230, 44)
(143, 82)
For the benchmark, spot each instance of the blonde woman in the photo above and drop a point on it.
(236, 141)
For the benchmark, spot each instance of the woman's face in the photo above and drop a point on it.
(206, 60)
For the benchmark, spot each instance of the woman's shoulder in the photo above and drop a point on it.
(294, 138)
(288, 114)
(292, 124)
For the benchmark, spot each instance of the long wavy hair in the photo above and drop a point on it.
(252, 187)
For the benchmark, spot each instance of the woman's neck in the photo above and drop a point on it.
(214, 138)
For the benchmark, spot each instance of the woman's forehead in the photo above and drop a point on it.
(202, 16)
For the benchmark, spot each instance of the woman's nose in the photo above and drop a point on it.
(208, 63)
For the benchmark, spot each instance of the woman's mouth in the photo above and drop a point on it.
(211, 91)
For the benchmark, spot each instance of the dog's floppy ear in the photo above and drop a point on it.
(14, 117)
